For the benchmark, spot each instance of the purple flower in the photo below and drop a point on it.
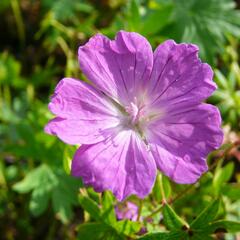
(127, 211)
(142, 112)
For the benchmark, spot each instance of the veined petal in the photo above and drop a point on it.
(178, 75)
(74, 131)
(121, 67)
(181, 142)
(121, 164)
(76, 99)
(84, 115)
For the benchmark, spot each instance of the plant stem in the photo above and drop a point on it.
(155, 212)
(140, 209)
(179, 195)
(164, 200)
(19, 21)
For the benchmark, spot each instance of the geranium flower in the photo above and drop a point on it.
(143, 111)
(127, 211)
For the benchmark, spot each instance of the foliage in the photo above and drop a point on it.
(38, 197)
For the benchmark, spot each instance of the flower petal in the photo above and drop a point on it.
(181, 142)
(84, 115)
(121, 67)
(121, 164)
(179, 75)
(128, 211)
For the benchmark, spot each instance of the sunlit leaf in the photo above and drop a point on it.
(171, 219)
(205, 23)
(47, 184)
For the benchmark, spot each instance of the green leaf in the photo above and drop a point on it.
(63, 197)
(108, 208)
(222, 175)
(222, 226)
(221, 79)
(204, 23)
(63, 10)
(39, 201)
(4, 4)
(166, 187)
(171, 219)
(127, 227)
(48, 183)
(97, 231)
(175, 235)
(30, 181)
(10, 70)
(90, 206)
(206, 216)
(134, 15)
(201, 236)
(161, 16)
(232, 191)
(67, 158)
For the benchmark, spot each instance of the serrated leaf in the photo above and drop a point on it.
(206, 216)
(39, 201)
(204, 23)
(64, 10)
(48, 183)
(34, 178)
(62, 203)
(171, 219)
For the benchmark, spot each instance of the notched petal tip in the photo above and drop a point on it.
(97, 42)
(129, 42)
(119, 67)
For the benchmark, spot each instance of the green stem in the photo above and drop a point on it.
(154, 212)
(7, 95)
(164, 200)
(19, 21)
(179, 195)
(140, 209)
(62, 43)
(62, 28)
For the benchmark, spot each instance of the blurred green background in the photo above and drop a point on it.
(38, 46)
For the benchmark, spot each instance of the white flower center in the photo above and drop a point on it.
(134, 112)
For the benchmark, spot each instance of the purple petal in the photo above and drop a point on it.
(121, 164)
(178, 75)
(127, 211)
(181, 141)
(120, 68)
(84, 115)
